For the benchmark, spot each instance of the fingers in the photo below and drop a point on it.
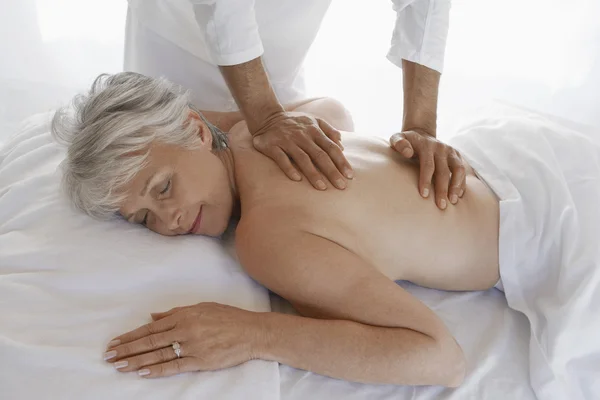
(306, 166)
(442, 180)
(411, 144)
(427, 167)
(143, 331)
(174, 367)
(403, 146)
(438, 162)
(283, 161)
(335, 152)
(331, 133)
(459, 178)
(325, 164)
(135, 363)
(140, 346)
(306, 145)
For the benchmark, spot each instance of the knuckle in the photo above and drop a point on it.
(411, 135)
(303, 158)
(439, 147)
(321, 156)
(179, 365)
(165, 354)
(443, 174)
(160, 369)
(332, 147)
(152, 341)
(125, 350)
(459, 169)
(428, 164)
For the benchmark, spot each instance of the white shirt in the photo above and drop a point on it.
(186, 41)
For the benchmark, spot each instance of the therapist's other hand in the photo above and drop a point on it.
(211, 335)
(311, 143)
(437, 161)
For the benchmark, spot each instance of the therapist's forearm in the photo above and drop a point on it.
(421, 86)
(249, 84)
(361, 353)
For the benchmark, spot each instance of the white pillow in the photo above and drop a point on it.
(68, 284)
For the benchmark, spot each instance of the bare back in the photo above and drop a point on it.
(380, 217)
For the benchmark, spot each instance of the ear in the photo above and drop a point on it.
(203, 130)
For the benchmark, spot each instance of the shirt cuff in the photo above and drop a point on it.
(396, 55)
(239, 57)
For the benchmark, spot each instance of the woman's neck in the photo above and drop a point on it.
(226, 157)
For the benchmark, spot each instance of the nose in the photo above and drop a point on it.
(172, 217)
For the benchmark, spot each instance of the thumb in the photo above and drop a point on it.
(161, 315)
(399, 143)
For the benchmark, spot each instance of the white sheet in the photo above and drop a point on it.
(60, 303)
(69, 284)
(548, 179)
(493, 337)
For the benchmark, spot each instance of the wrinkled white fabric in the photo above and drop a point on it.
(548, 180)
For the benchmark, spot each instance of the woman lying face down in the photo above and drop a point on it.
(137, 149)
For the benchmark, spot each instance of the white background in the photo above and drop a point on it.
(541, 54)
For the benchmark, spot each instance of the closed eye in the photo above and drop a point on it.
(166, 188)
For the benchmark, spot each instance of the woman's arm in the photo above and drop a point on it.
(358, 324)
(360, 353)
(375, 332)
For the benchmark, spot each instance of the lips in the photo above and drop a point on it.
(196, 223)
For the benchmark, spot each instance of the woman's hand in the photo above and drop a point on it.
(211, 335)
(437, 161)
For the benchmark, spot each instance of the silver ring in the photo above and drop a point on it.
(176, 348)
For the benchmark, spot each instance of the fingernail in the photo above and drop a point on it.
(349, 173)
(406, 152)
(321, 185)
(143, 372)
(453, 199)
(296, 176)
(425, 192)
(120, 364)
(443, 204)
(340, 184)
(113, 343)
(110, 354)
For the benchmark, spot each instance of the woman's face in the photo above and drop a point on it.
(181, 191)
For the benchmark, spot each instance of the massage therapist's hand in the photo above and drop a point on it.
(438, 161)
(211, 335)
(310, 142)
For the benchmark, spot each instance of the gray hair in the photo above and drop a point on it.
(108, 133)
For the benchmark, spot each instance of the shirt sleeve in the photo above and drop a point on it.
(420, 32)
(230, 30)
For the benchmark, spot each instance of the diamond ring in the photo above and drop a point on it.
(176, 348)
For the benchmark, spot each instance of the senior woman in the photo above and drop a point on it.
(136, 148)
